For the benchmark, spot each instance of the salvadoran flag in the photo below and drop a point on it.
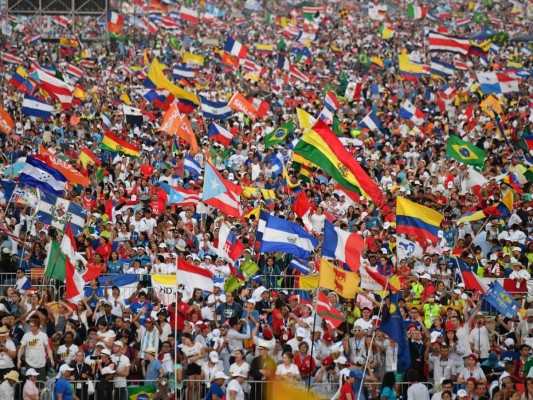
(410, 112)
(35, 107)
(342, 245)
(215, 109)
(300, 265)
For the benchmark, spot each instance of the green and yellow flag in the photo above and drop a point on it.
(465, 152)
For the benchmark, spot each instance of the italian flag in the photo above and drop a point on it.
(416, 12)
(61, 265)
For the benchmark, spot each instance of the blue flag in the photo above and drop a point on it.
(392, 325)
(501, 300)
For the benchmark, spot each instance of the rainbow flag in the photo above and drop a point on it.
(115, 144)
(412, 219)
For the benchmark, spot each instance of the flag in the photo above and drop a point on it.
(280, 134)
(106, 120)
(372, 122)
(406, 249)
(353, 91)
(416, 12)
(175, 124)
(239, 103)
(57, 212)
(465, 152)
(143, 392)
(410, 69)
(181, 197)
(11, 58)
(342, 245)
(470, 279)
(132, 115)
(410, 112)
(412, 219)
(127, 284)
(19, 80)
(330, 314)
(115, 144)
(215, 109)
(342, 282)
(392, 325)
(114, 24)
(296, 73)
(6, 122)
(35, 107)
(220, 134)
(331, 102)
(220, 193)
(301, 206)
(372, 279)
(183, 71)
(156, 79)
(72, 174)
(300, 265)
(38, 174)
(235, 48)
(191, 276)
(61, 20)
(501, 300)
(189, 15)
(441, 68)
(31, 39)
(191, 165)
(496, 82)
(74, 71)
(228, 244)
(280, 235)
(441, 42)
(55, 87)
(305, 119)
(322, 147)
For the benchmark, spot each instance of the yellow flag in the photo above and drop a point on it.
(306, 120)
(291, 391)
(79, 93)
(342, 282)
(158, 80)
(490, 104)
(190, 58)
(125, 99)
(308, 282)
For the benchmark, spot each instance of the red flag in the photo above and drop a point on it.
(301, 205)
(330, 314)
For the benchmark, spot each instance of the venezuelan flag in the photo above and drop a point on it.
(416, 220)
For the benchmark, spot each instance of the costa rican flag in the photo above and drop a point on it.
(441, 42)
(461, 65)
(62, 21)
(235, 48)
(296, 73)
(74, 71)
(31, 39)
(87, 64)
(331, 102)
(11, 59)
(463, 21)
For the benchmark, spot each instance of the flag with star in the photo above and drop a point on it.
(37, 173)
(221, 193)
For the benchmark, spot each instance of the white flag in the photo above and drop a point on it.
(407, 249)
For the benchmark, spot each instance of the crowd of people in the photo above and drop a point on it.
(239, 344)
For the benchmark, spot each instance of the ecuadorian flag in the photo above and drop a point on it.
(412, 219)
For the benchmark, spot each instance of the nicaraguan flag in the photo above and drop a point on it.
(441, 68)
(35, 107)
(372, 122)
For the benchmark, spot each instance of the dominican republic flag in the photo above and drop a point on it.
(495, 82)
(410, 112)
(182, 71)
(193, 166)
(35, 107)
(133, 115)
(331, 102)
(218, 133)
(74, 71)
(215, 109)
(235, 48)
(11, 59)
(188, 14)
(372, 122)
(37, 173)
(441, 68)
(453, 44)
(62, 21)
(342, 245)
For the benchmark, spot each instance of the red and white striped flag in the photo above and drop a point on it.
(169, 23)
(296, 73)
(191, 276)
(11, 59)
(62, 21)
(56, 88)
(87, 64)
(149, 25)
(330, 314)
(74, 71)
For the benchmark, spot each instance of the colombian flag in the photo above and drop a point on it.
(412, 219)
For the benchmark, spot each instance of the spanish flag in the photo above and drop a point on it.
(115, 144)
(412, 219)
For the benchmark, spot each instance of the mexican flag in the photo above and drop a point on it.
(416, 12)
(61, 265)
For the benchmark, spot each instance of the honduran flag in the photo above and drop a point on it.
(221, 135)
(182, 71)
(191, 165)
(331, 102)
(235, 48)
(410, 112)
(342, 245)
(372, 122)
(441, 68)
(215, 109)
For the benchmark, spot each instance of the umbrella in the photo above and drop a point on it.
(15, 169)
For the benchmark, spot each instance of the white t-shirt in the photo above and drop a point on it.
(235, 386)
(285, 372)
(193, 352)
(121, 363)
(6, 361)
(35, 351)
(245, 367)
(67, 354)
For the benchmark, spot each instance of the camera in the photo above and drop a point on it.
(94, 357)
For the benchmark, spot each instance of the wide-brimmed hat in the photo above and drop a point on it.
(12, 375)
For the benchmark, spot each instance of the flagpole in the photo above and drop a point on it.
(313, 340)
(176, 331)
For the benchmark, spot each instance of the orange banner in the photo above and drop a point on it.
(175, 124)
(71, 173)
(239, 103)
(6, 122)
(185, 132)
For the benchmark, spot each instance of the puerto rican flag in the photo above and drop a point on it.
(62, 21)
(235, 48)
(331, 102)
(463, 21)
(410, 112)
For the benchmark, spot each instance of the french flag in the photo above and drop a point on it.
(342, 245)
(410, 112)
(218, 133)
(331, 102)
(235, 48)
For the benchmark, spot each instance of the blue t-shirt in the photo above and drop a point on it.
(214, 389)
(63, 387)
(152, 371)
(389, 393)
(136, 307)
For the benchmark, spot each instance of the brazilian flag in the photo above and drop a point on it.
(141, 392)
(364, 60)
(499, 38)
(480, 18)
(280, 134)
(465, 152)
(173, 42)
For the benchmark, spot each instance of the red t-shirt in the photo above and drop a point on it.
(346, 389)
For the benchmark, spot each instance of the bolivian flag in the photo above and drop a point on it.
(115, 144)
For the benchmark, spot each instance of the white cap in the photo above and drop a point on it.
(31, 372)
(301, 332)
(462, 393)
(509, 342)
(64, 368)
(213, 356)
(221, 375)
(461, 284)
(341, 360)
(426, 276)
(457, 291)
(251, 301)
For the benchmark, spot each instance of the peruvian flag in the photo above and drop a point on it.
(330, 314)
